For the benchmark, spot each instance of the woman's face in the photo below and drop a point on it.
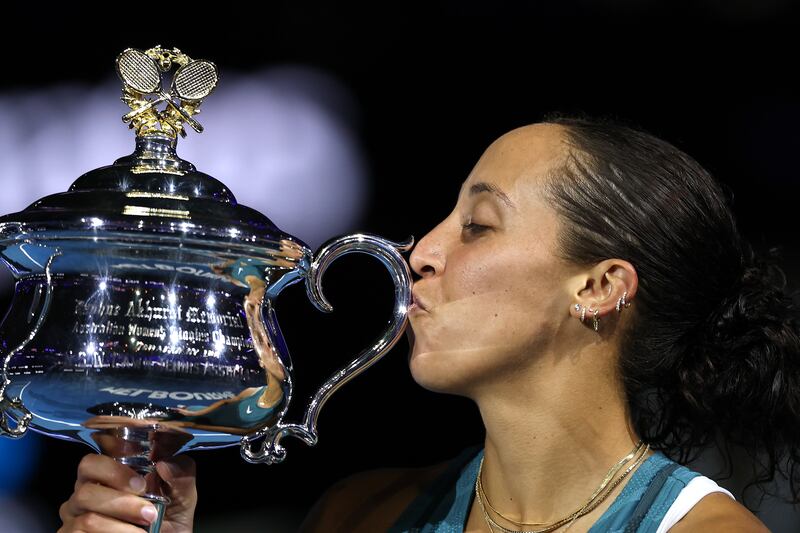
(495, 296)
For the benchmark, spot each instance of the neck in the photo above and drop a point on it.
(552, 437)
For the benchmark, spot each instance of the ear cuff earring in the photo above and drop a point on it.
(621, 302)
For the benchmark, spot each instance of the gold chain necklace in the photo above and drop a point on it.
(591, 503)
(610, 474)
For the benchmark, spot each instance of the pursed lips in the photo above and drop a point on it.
(417, 301)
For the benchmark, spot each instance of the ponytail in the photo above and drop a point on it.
(743, 376)
(711, 352)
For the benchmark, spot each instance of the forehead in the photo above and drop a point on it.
(517, 162)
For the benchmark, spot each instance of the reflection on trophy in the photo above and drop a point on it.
(142, 322)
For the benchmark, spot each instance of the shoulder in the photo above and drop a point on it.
(369, 501)
(719, 512)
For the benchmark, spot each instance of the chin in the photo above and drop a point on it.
(436, 372)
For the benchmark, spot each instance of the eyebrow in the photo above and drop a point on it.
(482, 186)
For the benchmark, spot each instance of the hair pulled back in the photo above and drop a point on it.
(711, 354)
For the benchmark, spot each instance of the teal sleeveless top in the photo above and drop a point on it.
(242, 413)
(444, 505)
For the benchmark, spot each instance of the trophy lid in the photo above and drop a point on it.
(152, 192)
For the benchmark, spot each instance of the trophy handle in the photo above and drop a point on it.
(9, 405)
(270, 450)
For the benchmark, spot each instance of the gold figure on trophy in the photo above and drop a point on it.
(141, 74)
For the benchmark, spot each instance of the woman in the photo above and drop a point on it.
(591, 293)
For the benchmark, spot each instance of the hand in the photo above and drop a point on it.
(105, 498)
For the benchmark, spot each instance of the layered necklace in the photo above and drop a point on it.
(633, 459)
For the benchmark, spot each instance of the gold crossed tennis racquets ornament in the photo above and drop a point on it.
(141, 74)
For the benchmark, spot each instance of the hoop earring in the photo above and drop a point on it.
(622, 302)
(595, 320)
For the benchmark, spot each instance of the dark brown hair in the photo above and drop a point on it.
(712, 353)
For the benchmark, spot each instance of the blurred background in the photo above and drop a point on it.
(336, 120)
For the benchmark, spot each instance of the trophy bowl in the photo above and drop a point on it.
(142, 322)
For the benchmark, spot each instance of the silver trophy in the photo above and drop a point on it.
(142, 322)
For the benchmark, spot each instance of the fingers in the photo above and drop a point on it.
(93, 498)
(105, 497)
(95, 523)
(106, 471)
(291, 248)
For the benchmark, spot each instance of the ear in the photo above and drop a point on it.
(601, 287)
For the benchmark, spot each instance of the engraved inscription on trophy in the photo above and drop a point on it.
(150, 324)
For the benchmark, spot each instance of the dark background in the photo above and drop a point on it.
(433, 88)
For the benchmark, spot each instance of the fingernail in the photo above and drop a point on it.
(149, 513)
(137, 483)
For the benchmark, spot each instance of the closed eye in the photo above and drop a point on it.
(474, 228)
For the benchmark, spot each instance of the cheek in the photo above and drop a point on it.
(490, 297)
(494, 344)
(496, 310)
(488, 317)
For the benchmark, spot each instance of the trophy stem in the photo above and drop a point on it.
(139, 444)
(153, 492)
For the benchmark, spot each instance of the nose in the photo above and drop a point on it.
(427, 258)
